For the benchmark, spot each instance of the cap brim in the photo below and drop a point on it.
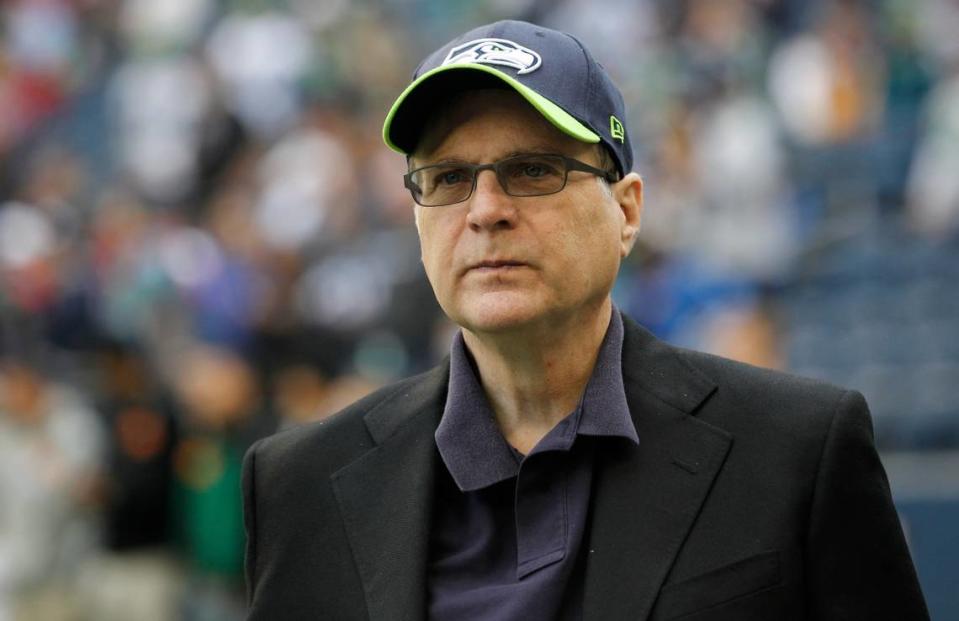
(561, 119)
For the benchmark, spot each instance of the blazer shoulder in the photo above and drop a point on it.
(681, 376)
(340, 438)
(750, 379)
(783, 409)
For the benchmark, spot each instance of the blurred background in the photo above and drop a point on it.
(204, 240)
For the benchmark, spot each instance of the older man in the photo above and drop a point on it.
(563, 463)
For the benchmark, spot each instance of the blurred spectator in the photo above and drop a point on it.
(308, 188)
(933, 189)
(825, 81)
(38, 49)
(143, 432)
(299, 393)
(51, 463)
(261, 57)
(161, 104)
(134, 576)
(744, 225)
(26, 257)
(219, 396)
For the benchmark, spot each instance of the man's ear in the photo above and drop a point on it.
(628, 193)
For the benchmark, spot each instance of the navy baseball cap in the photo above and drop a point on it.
(552, 70)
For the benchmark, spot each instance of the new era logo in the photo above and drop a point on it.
(616, 129)
(495, 52)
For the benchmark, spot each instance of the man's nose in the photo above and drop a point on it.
(490, 207)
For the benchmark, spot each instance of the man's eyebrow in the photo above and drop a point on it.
(533, 150)
(452, 159)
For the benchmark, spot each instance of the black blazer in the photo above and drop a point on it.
(753, 495)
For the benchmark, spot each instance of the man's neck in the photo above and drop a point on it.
(534, 379)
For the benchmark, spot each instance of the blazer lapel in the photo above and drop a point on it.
(646, 498)
(385, 498)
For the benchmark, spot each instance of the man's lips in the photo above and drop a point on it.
(500, 264)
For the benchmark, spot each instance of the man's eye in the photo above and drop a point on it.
(533, 169)
(450, 177)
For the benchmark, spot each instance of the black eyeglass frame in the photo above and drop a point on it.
(569, 162)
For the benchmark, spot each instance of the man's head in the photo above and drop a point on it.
(532, 242)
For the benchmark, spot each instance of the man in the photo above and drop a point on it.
(563, 463)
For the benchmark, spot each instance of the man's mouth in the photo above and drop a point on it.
(497, 265)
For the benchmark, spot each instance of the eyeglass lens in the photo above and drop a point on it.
(527, 175)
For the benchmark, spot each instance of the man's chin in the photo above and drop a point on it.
(521, 313)
(500, 315)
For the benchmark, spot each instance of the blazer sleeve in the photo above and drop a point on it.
(858, 564)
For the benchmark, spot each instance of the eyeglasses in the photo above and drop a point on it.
(522, 175)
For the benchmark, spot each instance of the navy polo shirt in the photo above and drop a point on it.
(508, 528)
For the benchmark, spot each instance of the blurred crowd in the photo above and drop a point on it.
(203, 240)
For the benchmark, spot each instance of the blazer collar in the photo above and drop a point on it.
(386, 495)
(646, 498)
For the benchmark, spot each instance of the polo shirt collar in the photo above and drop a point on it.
(471, 444)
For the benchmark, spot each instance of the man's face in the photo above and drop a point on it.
(499, 263)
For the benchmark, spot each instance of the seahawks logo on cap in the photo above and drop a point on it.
(495, 52)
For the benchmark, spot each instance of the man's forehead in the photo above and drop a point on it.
(531, 132)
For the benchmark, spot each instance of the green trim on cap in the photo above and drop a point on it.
(553, 113)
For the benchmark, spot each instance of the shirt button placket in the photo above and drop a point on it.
(540, 509)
